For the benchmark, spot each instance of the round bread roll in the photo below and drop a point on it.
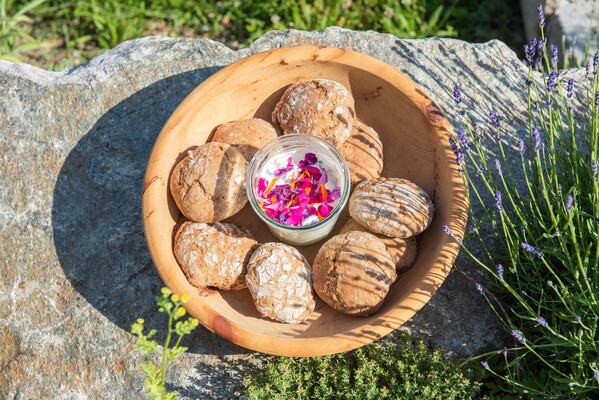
(246, 135)
(363, 152)
(391, 206)
(280, 281)
(402, 251)
(209, 184)
(318, 107)
(214, 255)
(353, 272)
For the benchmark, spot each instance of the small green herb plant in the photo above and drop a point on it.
(389, 369)
(172, 305)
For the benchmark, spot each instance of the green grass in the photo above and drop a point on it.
(55, 34)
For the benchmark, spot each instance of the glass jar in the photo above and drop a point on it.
(274, 156)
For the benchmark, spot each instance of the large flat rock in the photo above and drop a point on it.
(74, 268)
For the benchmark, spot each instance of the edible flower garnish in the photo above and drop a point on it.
(298, 196)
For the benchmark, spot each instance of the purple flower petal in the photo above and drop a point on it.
(310, 158)
(335, 194)
(281, 171)
(324, 178)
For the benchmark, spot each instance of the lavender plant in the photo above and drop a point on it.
(172, 305)
(544, 267)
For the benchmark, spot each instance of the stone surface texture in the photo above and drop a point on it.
(74, 268)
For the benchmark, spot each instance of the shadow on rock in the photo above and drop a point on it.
(96, 212)
(222, 379)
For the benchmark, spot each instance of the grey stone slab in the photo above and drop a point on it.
(74, 268)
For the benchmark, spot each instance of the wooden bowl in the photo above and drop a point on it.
(415, 136)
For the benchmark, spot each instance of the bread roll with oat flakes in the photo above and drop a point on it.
(280, 281)
(214, 255)
(319, 107)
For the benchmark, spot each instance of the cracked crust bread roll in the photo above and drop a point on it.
(280, 282)
(209, 184)
(318, 107)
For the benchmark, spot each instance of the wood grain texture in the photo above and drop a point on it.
(414, 133)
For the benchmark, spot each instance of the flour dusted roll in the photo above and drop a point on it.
(209, 184)
(214, 255)
(319, 107)
(280, 282)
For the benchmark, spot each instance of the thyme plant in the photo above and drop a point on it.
(388, 369)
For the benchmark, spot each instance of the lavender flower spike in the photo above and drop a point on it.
(530, 51)
(518, 336)
(540, 49)
(541, 321)
(536, 136)
(498, 202)
(554, 55)
(521, 146)
(569, 203)
(597, 98)
(463, 138)
(570, 88)
(498, 167)
(541, 15)
(485, 365)
(457, 94)
(480, 288)
(531, 249)
(594, 169)
(494, 119)
(454, 146)
(447, 230)
(596, 63)
(551, 82)
(499, 270)
(459, 155)
(596, 375)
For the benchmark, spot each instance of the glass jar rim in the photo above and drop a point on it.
(307, 139)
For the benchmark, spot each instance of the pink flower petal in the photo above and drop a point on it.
(324, 210)
(315, 173)
(262, 185)
(303, 183)
(271, 213)
(295, 218)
